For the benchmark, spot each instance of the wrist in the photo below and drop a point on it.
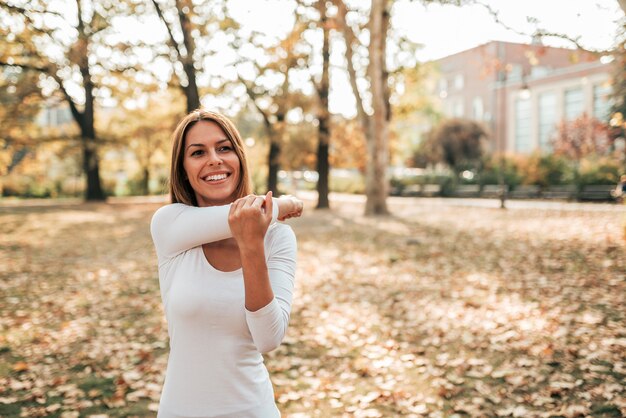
(283, 207)
(252, 246)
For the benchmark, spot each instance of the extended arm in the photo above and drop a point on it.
(177, 227)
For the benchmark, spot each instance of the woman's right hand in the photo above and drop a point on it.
(289, 207)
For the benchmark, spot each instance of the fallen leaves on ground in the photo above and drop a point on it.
(433, 312)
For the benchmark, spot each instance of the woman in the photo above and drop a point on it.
(226, 272)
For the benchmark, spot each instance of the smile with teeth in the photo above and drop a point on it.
(215, 177)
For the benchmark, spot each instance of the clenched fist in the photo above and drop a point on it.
(249, 218)
(289, 207)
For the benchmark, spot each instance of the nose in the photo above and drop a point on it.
(213, 159)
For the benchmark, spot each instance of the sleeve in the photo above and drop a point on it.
(177, 227)
(268, 325)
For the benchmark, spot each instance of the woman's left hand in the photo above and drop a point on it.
(249, 219)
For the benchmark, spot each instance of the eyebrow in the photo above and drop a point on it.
(202, 145)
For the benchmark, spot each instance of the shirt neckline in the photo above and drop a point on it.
(237, 272)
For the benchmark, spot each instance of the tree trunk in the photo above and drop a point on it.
(377, 134)
(91, 163)
(191, 89)
(276, 133)
(91, 168)
(184, 7)
(274, 166)
(86, 120)
(145, 182)
(323, 166)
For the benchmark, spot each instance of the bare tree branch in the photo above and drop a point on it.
(184, 25)
(351, 40)
(25, 11)
(172, 40)
(254, 96)
(42, 69)
(543, 33)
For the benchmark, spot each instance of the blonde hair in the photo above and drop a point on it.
(180, 188)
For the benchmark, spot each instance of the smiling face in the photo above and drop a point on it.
(211, 164)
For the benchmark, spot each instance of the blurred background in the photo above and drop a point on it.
(478, 98)
(439, 112)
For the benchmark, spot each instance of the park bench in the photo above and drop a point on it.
(601, 192)
(467, 190)
(412, 190)
(560, 192)
(494, 190)
(526, 192)
(431, 190)
(425, 190)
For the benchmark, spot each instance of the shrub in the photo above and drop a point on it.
(346, 183)
(27, 186)
(546, 170)
(493, 166)
(599, 171)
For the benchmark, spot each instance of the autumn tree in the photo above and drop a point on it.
(146, 130)
(455, 142)
(35, 39)
(195, 31)
(348, 146)
(618, 109)
(20, 100)
(369, 75)
(316, 16)
(271, 91)
(581, 137)
(375, 122)
(323, 114)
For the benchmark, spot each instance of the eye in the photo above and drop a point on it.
(225, 148)
(197, 152)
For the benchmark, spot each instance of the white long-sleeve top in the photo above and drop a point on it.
(215, 367)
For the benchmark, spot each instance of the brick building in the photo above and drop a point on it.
(522, 91)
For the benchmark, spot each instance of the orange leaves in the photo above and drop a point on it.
(486, 313)
(20, 366)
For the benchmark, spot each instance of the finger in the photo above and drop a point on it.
(248, 201)
(269, 205)
(239, 203)
(258, 202)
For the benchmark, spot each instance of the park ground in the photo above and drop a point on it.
(439, 310)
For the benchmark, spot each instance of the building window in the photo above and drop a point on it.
(547, 120)
(601, 102)
(539, 71)
(458, 110)
(459, 81)
(574, 104)
(477, 108)
(443, 85)
(516, 73)
(522, 125)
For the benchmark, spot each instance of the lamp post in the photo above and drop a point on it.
(501, 132)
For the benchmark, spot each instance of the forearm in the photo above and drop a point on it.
(176, 228)
(258, 290)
